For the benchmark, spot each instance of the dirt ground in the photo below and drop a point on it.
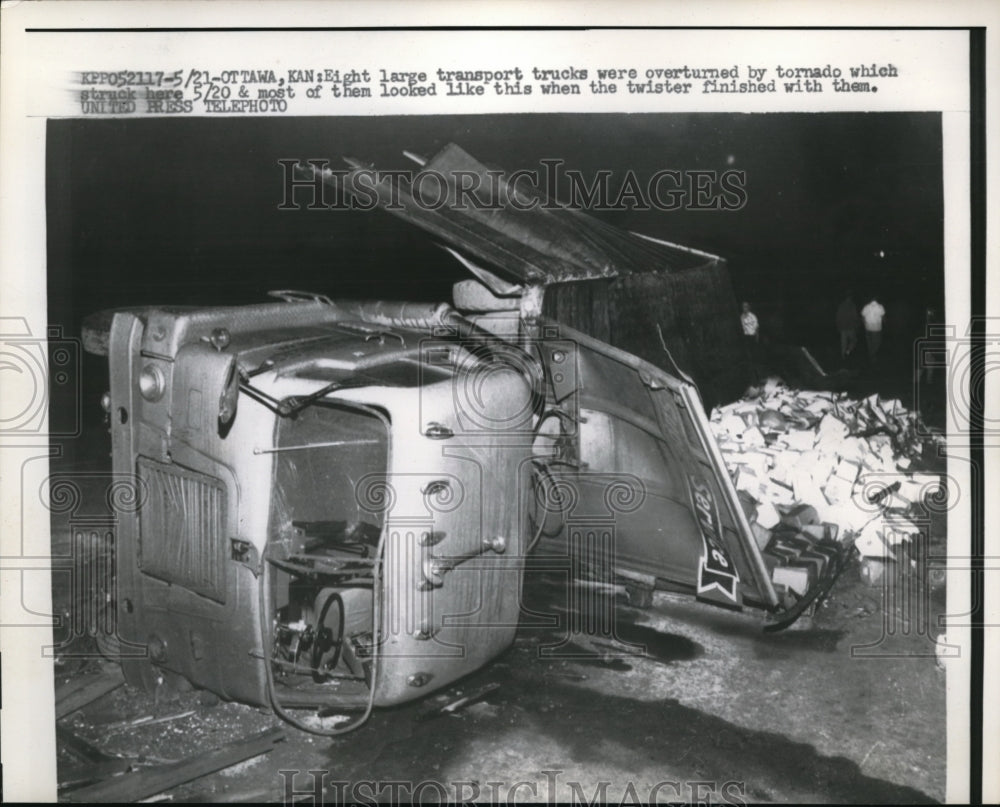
(679, 702)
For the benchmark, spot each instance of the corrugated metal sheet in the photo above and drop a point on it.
(611, 284)
(545, 243)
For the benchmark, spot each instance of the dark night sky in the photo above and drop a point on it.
(185, 210)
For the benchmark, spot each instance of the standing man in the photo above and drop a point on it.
(873, 314)
(848, 323)
(751, 337)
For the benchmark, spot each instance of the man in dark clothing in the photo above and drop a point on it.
(848, 323)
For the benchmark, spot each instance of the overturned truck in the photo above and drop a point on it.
(335, 500)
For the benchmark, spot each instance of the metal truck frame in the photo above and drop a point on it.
(335, 500)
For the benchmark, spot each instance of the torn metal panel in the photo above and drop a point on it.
(513, 227)
(614, 285)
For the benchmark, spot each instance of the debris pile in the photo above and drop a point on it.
(108, 754)
(822, 468)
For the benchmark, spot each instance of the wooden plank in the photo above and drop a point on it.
(132, 787)
(80, 691)
(80, 748)
(255, 795)
(73, 776)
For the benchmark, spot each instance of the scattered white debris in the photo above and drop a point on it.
(324, 723)
(851, 461)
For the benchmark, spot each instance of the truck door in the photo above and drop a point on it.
(645, 495)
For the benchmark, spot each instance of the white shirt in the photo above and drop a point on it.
(872, 315)
(750, 324)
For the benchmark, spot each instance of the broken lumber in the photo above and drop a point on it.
(456, 705)
(142, 784)
(78, 692)
(72, 776)
(96, 764)
(80, 748)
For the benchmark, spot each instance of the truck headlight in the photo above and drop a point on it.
(152, 383)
